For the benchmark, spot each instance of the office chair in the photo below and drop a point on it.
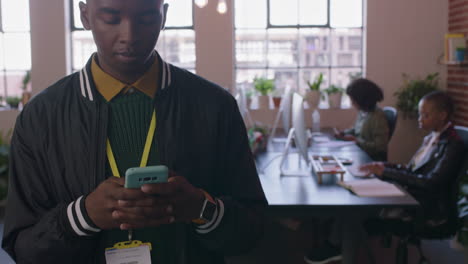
(392, 116)
(413, 232)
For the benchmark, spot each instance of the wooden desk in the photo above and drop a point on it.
(291, 196)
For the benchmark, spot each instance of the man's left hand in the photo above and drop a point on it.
(181, 200)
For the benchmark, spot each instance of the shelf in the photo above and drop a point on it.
(457, 63)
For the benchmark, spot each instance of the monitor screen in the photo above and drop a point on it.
(298, 123)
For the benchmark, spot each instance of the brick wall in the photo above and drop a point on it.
(457, 76)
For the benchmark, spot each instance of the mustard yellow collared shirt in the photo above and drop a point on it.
(109, 87)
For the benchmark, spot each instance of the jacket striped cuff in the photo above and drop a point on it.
(218, 216)
(79, 219)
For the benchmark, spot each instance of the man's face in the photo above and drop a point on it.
(125, 31)
(430, 118)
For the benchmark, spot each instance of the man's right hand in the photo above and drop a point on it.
(102, 202)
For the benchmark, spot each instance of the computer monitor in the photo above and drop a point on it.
(243, 107)
(298, 132)
(298, 123)
(286, 109)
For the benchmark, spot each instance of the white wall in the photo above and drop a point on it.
(402, 37)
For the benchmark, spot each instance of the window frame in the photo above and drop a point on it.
(74, 28)
(5, 70)
(298, 68)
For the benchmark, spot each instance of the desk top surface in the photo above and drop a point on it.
(294, 194)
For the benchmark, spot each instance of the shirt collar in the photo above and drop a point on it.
(109, 87)
(436, 134)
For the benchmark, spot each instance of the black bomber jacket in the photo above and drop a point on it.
(58, 157)
(433, 182)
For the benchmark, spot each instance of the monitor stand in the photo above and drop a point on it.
(301, 171)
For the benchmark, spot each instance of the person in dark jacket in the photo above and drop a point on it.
(129, 108)
(429, 178)
(429, 175)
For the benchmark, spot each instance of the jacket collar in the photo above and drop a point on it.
(88, 88)
(442, 140)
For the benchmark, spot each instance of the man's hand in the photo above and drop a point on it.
(102, 202)
(164, 203)
(376, 168)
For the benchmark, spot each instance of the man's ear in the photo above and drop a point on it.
(443, 115)
(84, 15)
(163, 25)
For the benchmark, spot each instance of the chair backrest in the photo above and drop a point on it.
(455, 188)
(392, 116)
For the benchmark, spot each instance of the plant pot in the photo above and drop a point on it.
(263, 102)
(334, 100)
(277, 102)
(25, 97)
(312, 98)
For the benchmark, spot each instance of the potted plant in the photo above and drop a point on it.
(264, 87)
(13, 101)
(412, 91)
(4, 157)
(334, 94)
(24, 86)
(277, 95)
(313, 95)
(258, 138)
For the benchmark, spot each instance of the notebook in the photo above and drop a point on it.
(372, 188)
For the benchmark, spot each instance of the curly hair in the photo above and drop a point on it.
(365, 94)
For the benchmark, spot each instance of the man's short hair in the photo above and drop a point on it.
(442, 101)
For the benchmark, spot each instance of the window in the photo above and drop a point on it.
(295, 41)
(176, 43)
(15, 47)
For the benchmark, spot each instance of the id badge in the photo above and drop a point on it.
(129, 252)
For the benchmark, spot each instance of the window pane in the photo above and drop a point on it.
(76, 14)
(282, 47)
(250, 14)
(179, 13)
(313, 12)
(247, 76)
(342, 76)
(314, 48)
(282, 13)
(14, 82)
(346, 13)
(2, 89)
(2, 52)
(83, 47)
(284, 78)
(178, 47)
(250, 48)
(15, 15)
(18, 51)
(347, 47)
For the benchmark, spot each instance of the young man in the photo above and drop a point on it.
(66, 202)
(429, 177)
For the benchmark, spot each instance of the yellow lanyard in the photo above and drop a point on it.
(144, 157)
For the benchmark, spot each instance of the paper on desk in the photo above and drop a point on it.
(372, 188)
(334, 144)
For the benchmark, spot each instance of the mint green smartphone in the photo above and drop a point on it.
(136, 177)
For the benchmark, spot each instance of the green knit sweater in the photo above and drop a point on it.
(129, 121)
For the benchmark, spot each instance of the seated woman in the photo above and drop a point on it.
(433, 169)
(370, 130)
(428, 177)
